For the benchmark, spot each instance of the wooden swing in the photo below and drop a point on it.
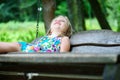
(94, 55)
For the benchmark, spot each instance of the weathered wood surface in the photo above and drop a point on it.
(63, 65)
(105, 37)
(96, 41)
(78, 64)
(54, 58)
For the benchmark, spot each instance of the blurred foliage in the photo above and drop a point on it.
(88, 11)
(18, 17)
(113, 10)
(7, 10)
(17, 31)
(27, 3)
(61, 8)
(26, 10)
(20, 10)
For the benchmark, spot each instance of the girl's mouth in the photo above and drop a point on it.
(57, 22)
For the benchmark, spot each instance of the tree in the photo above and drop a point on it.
(76, 14)
(81, 19)
(49, 7)
(99, 14)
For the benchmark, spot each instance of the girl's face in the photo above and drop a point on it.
(59, 24)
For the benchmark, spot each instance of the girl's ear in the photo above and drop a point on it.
(68, 32)
(49, 32)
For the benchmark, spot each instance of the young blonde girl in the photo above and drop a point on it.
(56, 40)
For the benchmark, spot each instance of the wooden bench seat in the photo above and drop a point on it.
(91, 58)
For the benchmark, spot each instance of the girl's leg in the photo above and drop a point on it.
(9, 47)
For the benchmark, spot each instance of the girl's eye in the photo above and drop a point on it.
(62, 21)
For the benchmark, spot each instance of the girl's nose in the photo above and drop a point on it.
(57, 20)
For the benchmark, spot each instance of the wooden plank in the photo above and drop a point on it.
(89, 69)
(67, 63)
(96, 37)
(67, 77)
(48, 75)
(12, 76)
(70, 63)
(70, 57)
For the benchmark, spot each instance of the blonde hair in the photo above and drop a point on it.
(68, 32)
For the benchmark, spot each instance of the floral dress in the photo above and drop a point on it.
(44, 44)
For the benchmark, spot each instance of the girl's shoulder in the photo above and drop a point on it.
(65, 38)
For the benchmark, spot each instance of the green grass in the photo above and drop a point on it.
(92, 24)
(20, 31)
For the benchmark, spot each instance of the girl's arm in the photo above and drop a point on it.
(9, 47)
(65, 44)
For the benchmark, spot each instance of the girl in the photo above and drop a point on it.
(56, 40)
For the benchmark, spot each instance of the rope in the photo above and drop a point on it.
(38, 14)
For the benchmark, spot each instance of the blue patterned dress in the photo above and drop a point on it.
(44, 44)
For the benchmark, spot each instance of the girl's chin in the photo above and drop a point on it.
(57, 26)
